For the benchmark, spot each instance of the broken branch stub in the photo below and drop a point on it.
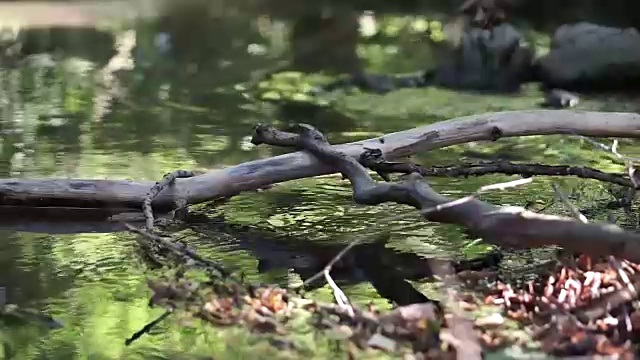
(504, 226)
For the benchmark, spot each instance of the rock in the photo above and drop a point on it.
(559, 99)
(476, 59)
(490, 60)
(594, 56)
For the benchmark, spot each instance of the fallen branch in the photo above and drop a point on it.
(505, 226)
(253, 175)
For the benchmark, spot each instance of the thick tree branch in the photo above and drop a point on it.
(505, 226)
(256, 174)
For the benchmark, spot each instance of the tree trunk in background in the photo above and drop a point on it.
(326, 43)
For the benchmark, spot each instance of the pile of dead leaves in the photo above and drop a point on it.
(270, 309)
(582, 308)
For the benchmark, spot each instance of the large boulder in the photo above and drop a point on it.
(487, 59)
(590, 56)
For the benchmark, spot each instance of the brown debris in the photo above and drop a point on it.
(579, 311)
(585, 307)
(268, 309)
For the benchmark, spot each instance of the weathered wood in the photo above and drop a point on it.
(259, 173)
(501, 225)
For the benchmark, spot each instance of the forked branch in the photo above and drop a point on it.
(505, 226)
(222, 183)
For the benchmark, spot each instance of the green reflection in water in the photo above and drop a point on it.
(65, 116)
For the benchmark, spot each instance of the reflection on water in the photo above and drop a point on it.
(138, 99)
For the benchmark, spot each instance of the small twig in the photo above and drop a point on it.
(504, 185)
(341, 297)
(330, 264)
(565, 199)
(167, 180)
(483, 189)
(631, 170)
(446, 205)
(628, 161)
(358, 240)
(148, 327)
(182, 250)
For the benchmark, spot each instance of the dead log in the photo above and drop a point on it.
(221, 183)
(500, 225)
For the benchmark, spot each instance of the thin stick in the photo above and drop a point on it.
(483, 189)
(148, 327)
(565, 199)
(179, 249)
(330, 264)
(167, 180)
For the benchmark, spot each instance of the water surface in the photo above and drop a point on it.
(134, 99)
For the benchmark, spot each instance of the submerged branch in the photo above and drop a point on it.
(179, 250)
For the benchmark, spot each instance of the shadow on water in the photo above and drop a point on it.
(155, 91)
